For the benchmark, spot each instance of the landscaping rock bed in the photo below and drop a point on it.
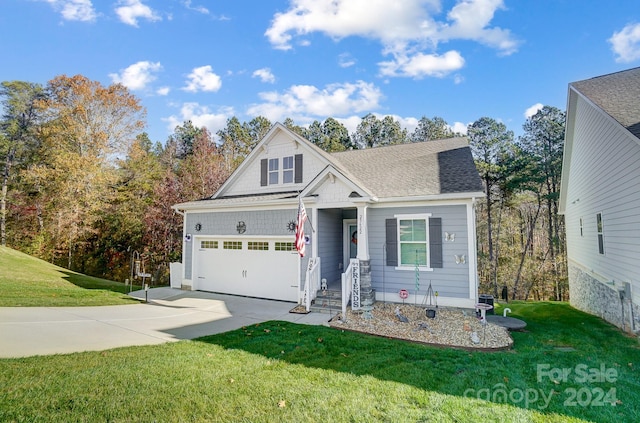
(451, 327)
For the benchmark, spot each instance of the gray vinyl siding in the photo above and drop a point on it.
(604, 177)
(330, 243)
(452, 280)
(258, 223)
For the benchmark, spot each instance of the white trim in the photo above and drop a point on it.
(346, 239)
(465, 196)
(414, 216)
(472, 253)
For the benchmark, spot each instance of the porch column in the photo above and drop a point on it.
(363, 233)
(367, 294)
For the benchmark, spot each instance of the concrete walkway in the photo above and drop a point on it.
(170, 315)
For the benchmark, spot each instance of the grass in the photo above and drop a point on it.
(279, 371)
(26, 281)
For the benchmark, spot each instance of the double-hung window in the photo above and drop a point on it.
(413, 240)
(287, 170)
(273, 171)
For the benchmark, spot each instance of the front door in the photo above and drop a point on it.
(350, 241)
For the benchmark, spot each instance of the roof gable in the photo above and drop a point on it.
(278, 143)
(617, 94)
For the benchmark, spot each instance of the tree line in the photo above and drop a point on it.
(84, 187)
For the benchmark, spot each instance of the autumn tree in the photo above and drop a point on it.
(86, 127)
(18, 142)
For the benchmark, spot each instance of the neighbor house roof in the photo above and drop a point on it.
(617, 94)
(424, 168)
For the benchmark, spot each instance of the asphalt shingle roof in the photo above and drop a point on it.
(617, 94)
(425, 168)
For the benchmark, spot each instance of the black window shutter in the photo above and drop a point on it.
(298, 169)
(263, 172)
(435, 242)
(392, 242)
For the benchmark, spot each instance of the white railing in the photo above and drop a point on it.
(347, 289)
(312, 282)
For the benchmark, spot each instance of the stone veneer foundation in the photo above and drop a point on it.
(595, 297)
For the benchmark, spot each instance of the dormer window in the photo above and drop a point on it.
(291, 171)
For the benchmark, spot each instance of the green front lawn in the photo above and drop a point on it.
(278, 371)
(26, 281)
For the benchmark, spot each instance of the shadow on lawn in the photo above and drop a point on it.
(557, 337)
(91, 282)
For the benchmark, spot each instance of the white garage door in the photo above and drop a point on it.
(264, 268)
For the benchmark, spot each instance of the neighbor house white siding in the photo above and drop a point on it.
(604, 177)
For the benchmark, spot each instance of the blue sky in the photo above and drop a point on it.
(311, 59)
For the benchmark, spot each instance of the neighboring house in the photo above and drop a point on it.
(392, 217)
(600, 196)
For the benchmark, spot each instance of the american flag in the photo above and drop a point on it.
(302, 217)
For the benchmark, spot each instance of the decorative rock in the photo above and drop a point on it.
(446, 329)
(400, 316)
(474, 338)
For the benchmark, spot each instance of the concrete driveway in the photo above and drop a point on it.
(170, 315)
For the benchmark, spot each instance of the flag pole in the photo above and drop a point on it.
(308, 217)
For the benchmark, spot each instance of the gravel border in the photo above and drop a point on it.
(451, 327)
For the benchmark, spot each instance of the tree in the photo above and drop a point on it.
(86, 127)
(183, 137)
(372, 132)
(290, 124)
(431, 129)
(257, 129)
(17, 134)
(236, 142)
(204, 171)
(330, 135)
(543, 140)
(489, 140)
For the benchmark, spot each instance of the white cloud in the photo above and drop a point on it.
(460, 127)
(345, 60)
(265, 75)
(533, 110)
(421, 65)
(163, 91)
(203, 79)
(470, 19)
(405, 29)
(307, 100)
(201, 117)
(199, 9)
(75, 10)
(138, 75)
(626, 43)
(132, 10)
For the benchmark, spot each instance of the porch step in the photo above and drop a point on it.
(329, 301)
